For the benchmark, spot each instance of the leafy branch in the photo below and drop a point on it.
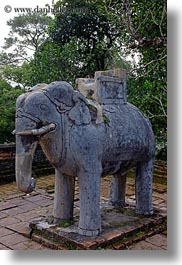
(147, 64)
(139, 40)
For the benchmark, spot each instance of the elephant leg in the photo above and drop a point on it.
(64, 197)
(143, 186)
(118, 189)
(90, 216)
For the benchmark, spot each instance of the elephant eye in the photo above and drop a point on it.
(44, 107)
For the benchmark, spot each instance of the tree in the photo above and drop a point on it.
(7, 110)
(19, 75)
(81, 41)
(48, 64)
(27, 33)
(146, 34)
(88, 34)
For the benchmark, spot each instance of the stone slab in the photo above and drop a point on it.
(8, 221)
(21, 228)
(158, 240)
(4, 231)
(12, 239)
(117, 224)
(143, 245)
(2, 247)
(29, 245)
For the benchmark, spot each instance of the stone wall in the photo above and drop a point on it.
(41, 165)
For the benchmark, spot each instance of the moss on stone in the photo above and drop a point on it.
(106, 119)
(65, 223)
(91, 107)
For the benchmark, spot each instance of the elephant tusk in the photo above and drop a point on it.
(43, 130)
(13, 132)
(25, 133)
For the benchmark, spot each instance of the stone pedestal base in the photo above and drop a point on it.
(117, 226)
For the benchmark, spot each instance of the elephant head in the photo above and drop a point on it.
(39, 117)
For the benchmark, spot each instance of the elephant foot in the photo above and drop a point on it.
(61, 222)
(144, 212)
(86, 232)
(120, 204)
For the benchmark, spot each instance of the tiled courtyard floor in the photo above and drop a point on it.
(18, 209)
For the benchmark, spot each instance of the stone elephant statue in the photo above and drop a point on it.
(62, 121)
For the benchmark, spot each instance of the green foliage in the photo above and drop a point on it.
(7, 110)
(52, 62)
(147, 84)
(20, 75)
(151, 99)
(82, 41)
(86, 33)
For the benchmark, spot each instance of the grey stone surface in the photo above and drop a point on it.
(60, 119)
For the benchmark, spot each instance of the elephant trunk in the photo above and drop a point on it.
(24, 179)
(24, 158)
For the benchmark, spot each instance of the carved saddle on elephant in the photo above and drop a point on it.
(106, 88)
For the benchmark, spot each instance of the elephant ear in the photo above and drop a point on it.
(80, 113)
